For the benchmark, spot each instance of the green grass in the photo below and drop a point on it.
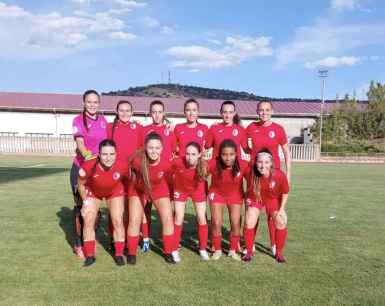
(330, 261)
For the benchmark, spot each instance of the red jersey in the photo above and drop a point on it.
(219, 132)
(186, 179)
(269, 137)
(185, 134)
(159, 175)
(225, 184)
(272, 189)
(128, 138)
(168, 138)
(104, 183)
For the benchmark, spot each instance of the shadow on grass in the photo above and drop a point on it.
(11, 174)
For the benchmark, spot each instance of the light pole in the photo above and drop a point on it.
(323, 74)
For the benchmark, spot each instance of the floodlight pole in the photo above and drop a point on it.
(323, 74)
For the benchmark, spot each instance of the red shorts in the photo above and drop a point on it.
(253, 203)
(215, 197)
(272, 206)
(196, 197)
(118, 191)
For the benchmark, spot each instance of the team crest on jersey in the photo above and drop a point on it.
(212, 196)
(160, 174)
(176, 195)
(271, 134)
(200, 133)
(133, 126)
(82, 173)
(116, 176)
(272, 184)
(235, 132)
(248, 202)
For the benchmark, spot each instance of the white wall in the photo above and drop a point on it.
(23, 122)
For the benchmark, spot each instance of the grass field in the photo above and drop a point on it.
(331, 261)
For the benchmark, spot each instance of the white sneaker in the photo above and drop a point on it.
(274, 250)
(234, 255)
(217, 254)
(175, 256)
(204, 255)
(244, 251)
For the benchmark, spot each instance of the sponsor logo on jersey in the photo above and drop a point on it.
(272, 184)
(235, 132)
(116, 176)
(182, 132)
(271, 134)
(166, 132)
(96, 175)
(200, 133)
(238, 174)
(220, 131)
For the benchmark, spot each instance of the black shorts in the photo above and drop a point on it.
(74, 174)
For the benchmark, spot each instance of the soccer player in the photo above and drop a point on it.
(229, 128)
(227, 174)
(102, 178)
(191, 130)
(190, 172)
(150, 170)
(89, 129)
(267, 134)
(162, 127)
(127, 136)
(267, 186)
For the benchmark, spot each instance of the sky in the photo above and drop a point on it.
(270, 48)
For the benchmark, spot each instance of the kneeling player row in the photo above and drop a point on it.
(150, 178)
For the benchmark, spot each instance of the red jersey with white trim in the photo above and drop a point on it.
(103, 182)
(225, 184)
(185, 134)
(128, 138)
(270, 137)
(219, 132)
(186, 179)
(159, 175)
(272, 188)
(168, 138)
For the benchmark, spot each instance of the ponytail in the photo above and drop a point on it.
(237, 119)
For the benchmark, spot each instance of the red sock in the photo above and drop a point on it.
(146, 227)
(272, 230)
(281, 235)
(217, 242)
(110, 227)
(168, 244)
(89, 248)
(145, 230)
(177, 235)
(119, 247)
(234, 241)
(132, 244)
(203, 233)
(249, 236)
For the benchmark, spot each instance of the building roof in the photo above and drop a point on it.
(72, 103)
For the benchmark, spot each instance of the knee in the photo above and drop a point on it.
(178, 219)
(280, 222)
(201, 220)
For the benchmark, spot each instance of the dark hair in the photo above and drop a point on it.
(102, 144)
(257, 175)
(85, 94)
(227, 143)
(144, 161)
(236, 119)
(202, 170)
(191, 100)
(116, 119)
(158, 102)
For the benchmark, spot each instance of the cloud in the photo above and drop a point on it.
(325, 38)
(235, 51)
(124, 3)
(151, 22)
(27, 35)
(344, 4)
(333, 62)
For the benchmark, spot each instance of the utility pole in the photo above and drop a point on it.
(323, 74)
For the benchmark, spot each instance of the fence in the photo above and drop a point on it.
(64, 145)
